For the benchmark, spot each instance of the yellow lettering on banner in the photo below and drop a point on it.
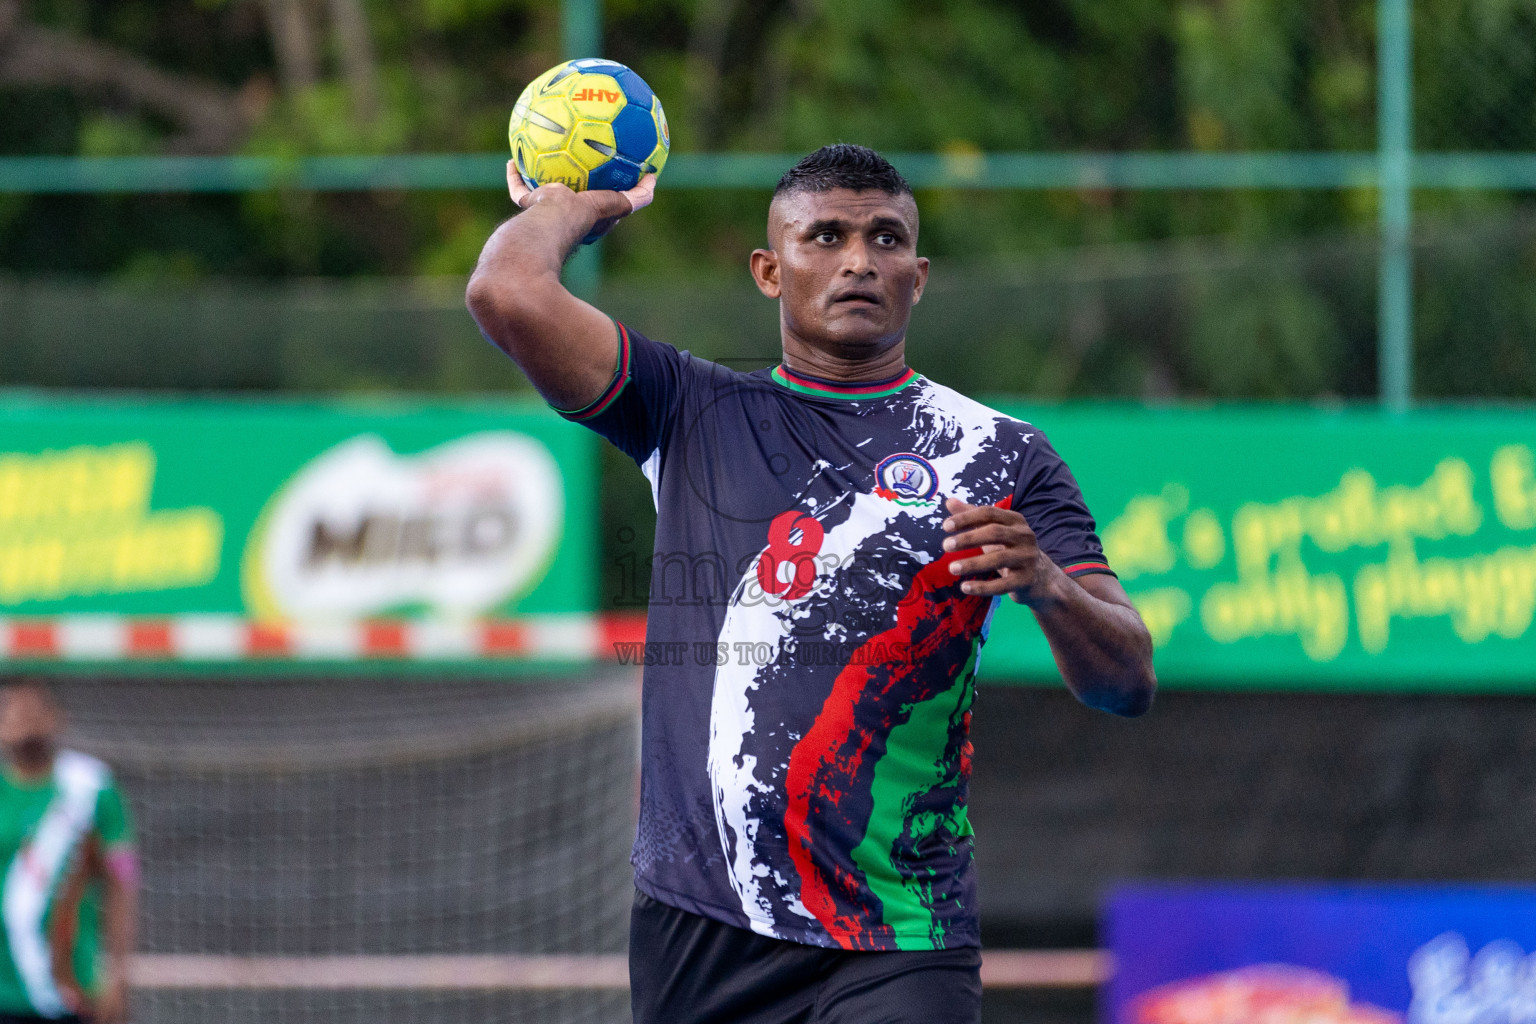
(1357, 513)
(77, 483)
(1205, 545)
(1483, 595)
(31, 569)
(77, 522)
(1136, 541)
(1162, 610)
(1513, 473)
(167, 549)
(182, 545)
(1290, 601)
(1274, 594)
(1258, 531)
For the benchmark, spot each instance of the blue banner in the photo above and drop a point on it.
(1398, 954)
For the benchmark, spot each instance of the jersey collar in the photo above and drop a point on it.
(804, 385)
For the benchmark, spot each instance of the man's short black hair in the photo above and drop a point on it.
(843, 165)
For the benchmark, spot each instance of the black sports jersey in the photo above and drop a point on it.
(810, 656)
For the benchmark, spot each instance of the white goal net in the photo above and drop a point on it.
(418, 851)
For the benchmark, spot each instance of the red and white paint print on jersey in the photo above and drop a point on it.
(805, 751)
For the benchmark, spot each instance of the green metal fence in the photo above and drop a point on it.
(1394, 169)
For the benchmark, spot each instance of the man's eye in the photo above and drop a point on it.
(885, 238)
(826, 237)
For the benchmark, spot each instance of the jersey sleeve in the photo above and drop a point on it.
(114, 823)
(641, 400)
(1052, 503)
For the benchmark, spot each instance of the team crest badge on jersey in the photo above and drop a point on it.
(906, 479)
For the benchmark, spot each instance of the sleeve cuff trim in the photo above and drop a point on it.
(612, 391)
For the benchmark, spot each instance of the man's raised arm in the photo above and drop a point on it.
(568, 348)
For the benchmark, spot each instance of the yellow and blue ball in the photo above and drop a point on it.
(589, 124)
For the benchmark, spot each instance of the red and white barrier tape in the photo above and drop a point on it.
(86, 638)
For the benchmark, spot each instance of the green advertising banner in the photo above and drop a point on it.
(1297, 547)
(207, 512)
(1276, 547)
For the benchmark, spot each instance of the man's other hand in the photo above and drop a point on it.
(1010, 561)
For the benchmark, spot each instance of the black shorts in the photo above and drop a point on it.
(687, 969)
(32, 1018)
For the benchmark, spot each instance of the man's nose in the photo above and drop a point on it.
(856, 259)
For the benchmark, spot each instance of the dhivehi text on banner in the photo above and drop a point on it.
(1307, 547)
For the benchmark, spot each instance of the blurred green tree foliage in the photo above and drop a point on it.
(348, 76)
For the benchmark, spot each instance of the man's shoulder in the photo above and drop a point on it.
(74, 770)
(970, 411)
(695, 370)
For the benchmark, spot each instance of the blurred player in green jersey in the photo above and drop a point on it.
(70, 873)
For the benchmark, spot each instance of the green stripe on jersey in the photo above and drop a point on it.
(850, 392)
(901, 777)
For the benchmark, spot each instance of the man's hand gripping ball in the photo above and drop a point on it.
(607, 207)
(1010, 562)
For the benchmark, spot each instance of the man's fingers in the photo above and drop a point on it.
(525, 197)
(987, 533)
(607, 204)
(974, 516)
(989, 588)
(621, 204)
(991, 561)
(516, 187)
(641, 195)
(956, 508)
(612, 207)
(979, 515)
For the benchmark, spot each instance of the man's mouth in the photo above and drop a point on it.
(857, 297)
(30, 748)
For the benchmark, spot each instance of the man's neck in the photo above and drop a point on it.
(811, 362)
(29, 773)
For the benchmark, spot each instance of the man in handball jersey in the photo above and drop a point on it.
(71, 874)
(832, 537)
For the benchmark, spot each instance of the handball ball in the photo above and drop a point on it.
(588, 123)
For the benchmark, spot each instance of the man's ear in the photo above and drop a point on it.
(922, 280)
(765, 272)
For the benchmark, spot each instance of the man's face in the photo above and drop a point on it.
(845, 268)
(29, 724)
